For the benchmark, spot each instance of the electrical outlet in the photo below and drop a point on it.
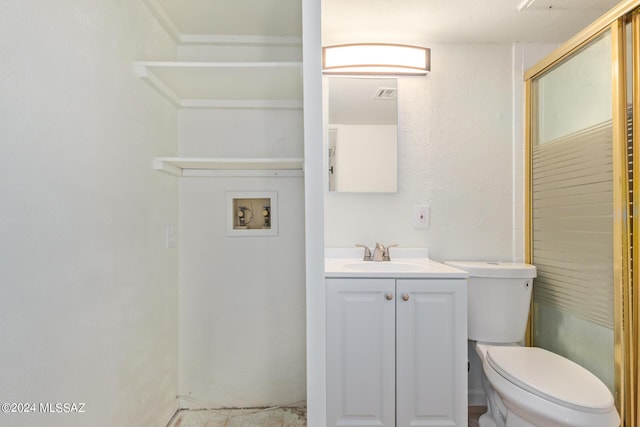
(421, 216)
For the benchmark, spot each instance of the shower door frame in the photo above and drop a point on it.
(626, 269)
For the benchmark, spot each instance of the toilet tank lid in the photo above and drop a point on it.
(551, 376)
(495, 269)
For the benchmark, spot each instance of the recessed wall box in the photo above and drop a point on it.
(252, 213)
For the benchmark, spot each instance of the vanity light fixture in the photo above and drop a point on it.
(376, 59)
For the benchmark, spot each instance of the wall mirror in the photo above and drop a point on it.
(362, 138)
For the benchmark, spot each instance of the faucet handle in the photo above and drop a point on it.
(386, 256)
(367, 252)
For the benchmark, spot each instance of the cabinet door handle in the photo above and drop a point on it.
(388, 296)
(405, 297)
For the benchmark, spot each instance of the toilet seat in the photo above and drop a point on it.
(551, 377)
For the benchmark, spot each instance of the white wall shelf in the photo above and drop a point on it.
(197, 166)
(206, 84)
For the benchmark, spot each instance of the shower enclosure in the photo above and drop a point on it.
(580, 188)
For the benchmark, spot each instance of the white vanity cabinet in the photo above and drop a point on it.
(396, 352)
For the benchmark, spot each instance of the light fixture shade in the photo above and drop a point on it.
(371, 58)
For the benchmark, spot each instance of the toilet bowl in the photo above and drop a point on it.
(534, 387)
(526, 386)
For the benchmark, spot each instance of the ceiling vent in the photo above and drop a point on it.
(383, 93)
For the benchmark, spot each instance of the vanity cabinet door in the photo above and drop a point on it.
(431, 340)
(361, 352)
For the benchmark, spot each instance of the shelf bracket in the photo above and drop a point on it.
(161, 165)
(143, 72)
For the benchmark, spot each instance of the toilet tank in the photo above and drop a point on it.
(499, 295)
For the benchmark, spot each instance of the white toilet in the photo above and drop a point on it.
(526, 386)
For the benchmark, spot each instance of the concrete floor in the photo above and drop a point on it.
(276, 417)
(474, 414)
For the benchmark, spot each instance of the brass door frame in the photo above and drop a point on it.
(626, 264)
(632, 327)
(582, 38)
(621, 224)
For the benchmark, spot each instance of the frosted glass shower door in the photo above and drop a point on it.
(572, 209)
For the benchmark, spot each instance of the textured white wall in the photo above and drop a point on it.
(242, 299)
(88, 310)
(454, 154)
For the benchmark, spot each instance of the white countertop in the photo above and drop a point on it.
(345, 262)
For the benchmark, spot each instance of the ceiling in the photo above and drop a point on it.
(422, 22)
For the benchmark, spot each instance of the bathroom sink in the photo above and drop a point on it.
(405, 263)
(383, 266)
